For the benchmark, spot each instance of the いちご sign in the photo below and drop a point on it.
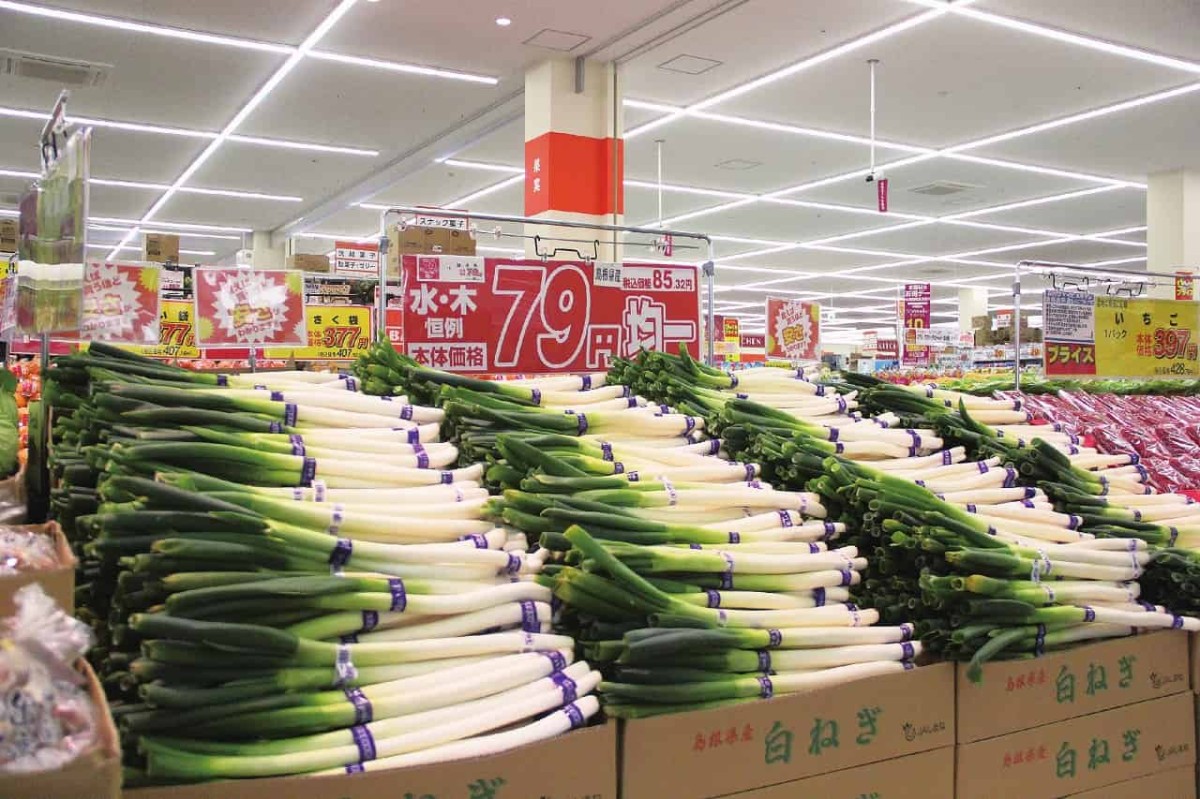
(120, 303)
(917, 298)
(793, 329)
(244, 307)
(356, 259)
(1119, 337)
(335, 333)
(505, 316)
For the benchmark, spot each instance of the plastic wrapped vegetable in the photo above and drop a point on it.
(46, 717)
(10, 438)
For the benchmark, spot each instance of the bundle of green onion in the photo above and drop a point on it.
(287, 578)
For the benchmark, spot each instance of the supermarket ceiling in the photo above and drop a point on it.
(1008, 129)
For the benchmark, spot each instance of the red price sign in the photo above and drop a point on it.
(1070, 359)
(1173, 343)
(532, 316)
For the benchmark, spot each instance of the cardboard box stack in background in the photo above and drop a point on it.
(860, 733)
(8, 235)
(161, 248)
(580, 764)
(996, 328)
(309, 262)
(411, 240)
(1076, 720)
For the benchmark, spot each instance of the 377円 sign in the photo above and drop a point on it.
(503, 316)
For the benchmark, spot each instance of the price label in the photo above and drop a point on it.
(334, 332)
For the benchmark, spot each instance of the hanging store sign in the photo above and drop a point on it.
(935, 337)
(753, 341)
(916, 317)
(1184, 286)
(533, 317)
(176, 335)
(887, 349)
(1119, 337)
(870, 344)
(882, 194)
(249, 307)
(356, 259)
(793, 329)
(335, 333)
(120, 303)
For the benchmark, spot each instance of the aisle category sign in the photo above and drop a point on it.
(335, 333)
(356, 259)
(917, 315)
(241, 307)
(503, 316)
(120, 303)
(793, 329)
(1118, 336)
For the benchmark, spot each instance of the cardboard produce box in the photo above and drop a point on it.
(928, 775)
(309, 262)
(1194, 660)
(1178, 783)
(758, 744)
(59, 583)
(162, 247)
(1080, 754)
(8, 235)
(410, 240)
(1019, 694)
(93, 775)
(579, 765)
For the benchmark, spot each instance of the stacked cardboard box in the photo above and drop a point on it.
(412, 240)
(889, 736)
(1081, 722)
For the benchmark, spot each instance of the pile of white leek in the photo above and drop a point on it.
(287, 576)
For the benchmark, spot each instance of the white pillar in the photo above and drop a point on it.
(971, 302)
(1173, 224)
(574, 154)
(266, 253)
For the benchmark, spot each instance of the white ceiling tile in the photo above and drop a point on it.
(1163, 26)
(206, 209)
(1075, 252)
(166, 81)
(953, 80)
(752, 39)
(437, 185)
(940, 239)
(1129, 144)
(783, 223)
(1110, 210)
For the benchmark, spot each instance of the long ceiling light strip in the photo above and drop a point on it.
(167, 31)
(132, 247)
(122, 229)
(138, 127)
(276, 78)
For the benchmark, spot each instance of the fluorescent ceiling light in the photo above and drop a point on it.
(138, 127)
(19, 173)
(141, 27)
(264, 91)
(189, 233)
(247, 195)
(1040, 170)
(411, 69)
(503, 22)
(184, 227)
(131, 247)
(483, 166)
(1054, 198)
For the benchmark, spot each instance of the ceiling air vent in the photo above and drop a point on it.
(63, 71)
(940, 188)
(738, 164)
(562, 41)
(690, 64)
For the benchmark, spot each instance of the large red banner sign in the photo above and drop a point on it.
(500, 316)
(793, 329)
(917, 298)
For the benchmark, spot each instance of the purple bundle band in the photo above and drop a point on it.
(819, 597)
(446, 478)
(1030, 493)
(774, 637)
(766, 690)
(618, 467)
(336, 517)
(276, 396)
(514, 563)
(583, 423)
(222, 380)
(632, 477)
(742, 396)
(947, 458)
(735, 537)
(1104, 486)
(838, 448)
(1146, 605)
(689, 424)
(1137, 515)
(841, 405)
(341, 553)
(916, 438)
(406, 413)
(480, 541)
(733, 381)
(830, 530)
(695, 546)
(557, 661)
(318, 487)
(606, 453)
(529, 618)
(399, 595)
(750, 471)
(414, 436)
(355, 768)
(1089, 614)
(308, 471)
(351, 384)
(570, 690)
(846, 577)
(1174, 535)
(422, 456)
(364, 741)
(714, 446)
(833, 434)
(370, 620)
(971, 508)
(626, 391)
(352, 638)
(764, 660)
(906, 631)
(631, 402)
(948, 403)
(1176, 622)
(1039, 641)
(259, 387)
(928, 392)
(785, 518)
(586, 383)
(982, 467)
(820, 389)
(907, 651)
(575, 715)
(535, 396)
(387, 398)
(363, 712)
(275, 427)
(297, 443)
(1010, 478)
(813, 548)
(714, 598)
(921, 483)
(298, 494)
(726, 580)
(1134, 458)
(289, 414)
(343, 667)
